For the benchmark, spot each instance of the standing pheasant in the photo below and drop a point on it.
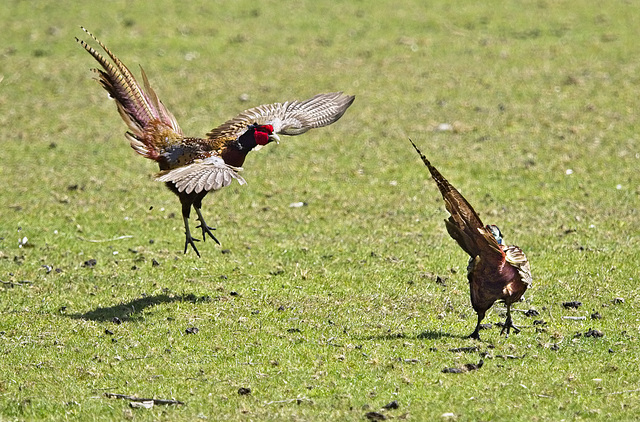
(495, 271)
(191, 167)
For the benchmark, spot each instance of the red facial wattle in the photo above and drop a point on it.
(262, 134)
(262, 138)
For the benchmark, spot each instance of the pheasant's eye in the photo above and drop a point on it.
(268, 129)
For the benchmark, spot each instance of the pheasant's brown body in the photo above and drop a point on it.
(192, 167)
(495, 271)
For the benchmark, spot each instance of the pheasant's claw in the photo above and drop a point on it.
(207, 230)
(508, 325)
(475, 335)
(189, 241)
(203, 225)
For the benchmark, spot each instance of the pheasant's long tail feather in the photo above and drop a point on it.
(138, 107)
(464, 223)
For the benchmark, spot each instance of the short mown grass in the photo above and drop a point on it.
(331, 310)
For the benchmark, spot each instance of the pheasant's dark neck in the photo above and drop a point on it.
(234, 156)
(235, 152)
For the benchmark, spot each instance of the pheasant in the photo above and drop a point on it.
(495, 271)
(189, 166)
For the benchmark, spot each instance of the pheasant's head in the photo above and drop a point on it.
(495, 231)
(234, 151)
(263, 134)
(256, 136)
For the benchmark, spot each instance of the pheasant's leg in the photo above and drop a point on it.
(508, 324)
(203, 225)
(186, 210)
(476, 332)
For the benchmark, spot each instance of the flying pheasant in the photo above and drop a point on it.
(495, 271)
(191, 167)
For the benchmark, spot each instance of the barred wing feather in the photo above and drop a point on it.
(517, 258)
(206, 174)
(289, 118)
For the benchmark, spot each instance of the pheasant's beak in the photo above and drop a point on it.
(274, 138)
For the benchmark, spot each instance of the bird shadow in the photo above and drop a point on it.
(435, 335)
(425, 335)
(129, 310)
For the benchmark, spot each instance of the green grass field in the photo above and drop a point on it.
(332, 310)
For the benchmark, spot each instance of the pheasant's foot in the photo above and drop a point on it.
(508, 325)
(475, 335)
(207, 230)
(203, 225)
(189, 241)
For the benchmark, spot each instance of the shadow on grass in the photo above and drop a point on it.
(435, 335)
(425, 335)
(128, 311)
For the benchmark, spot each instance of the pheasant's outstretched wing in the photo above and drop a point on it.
(289, 118)
(464, 225)
(210, 173)
(139, 107)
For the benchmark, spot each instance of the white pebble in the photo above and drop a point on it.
(191, 55)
